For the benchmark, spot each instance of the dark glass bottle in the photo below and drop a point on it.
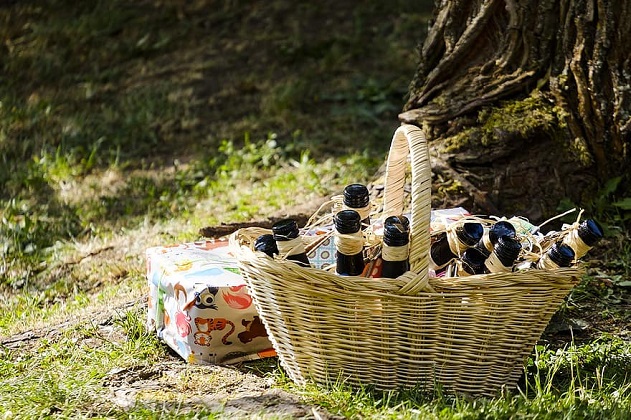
(504, 255)
(357, 197)
(349, 243)
(266, 244)
(396, 246)
(289, 241)
(583, 238)
(471, 262)
(492, 235)
(557, 256)
(446, 247)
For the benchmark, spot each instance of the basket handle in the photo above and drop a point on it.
(409, 140)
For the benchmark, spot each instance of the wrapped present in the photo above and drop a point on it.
(199, 304)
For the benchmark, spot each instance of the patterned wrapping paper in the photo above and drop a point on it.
(199, 304)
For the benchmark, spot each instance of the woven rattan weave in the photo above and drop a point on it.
(469, 335)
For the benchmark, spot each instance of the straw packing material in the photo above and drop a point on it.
(469, 334)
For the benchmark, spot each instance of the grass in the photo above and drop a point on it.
(124, 126)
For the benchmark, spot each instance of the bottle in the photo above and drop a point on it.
(349, 243)
(266, 244)
(450, 246)
(557, 256)
(491, 236)
(357, 197)
(504, 254)
(289, 241)
(396, 246)
(584, 237)
(471, 262)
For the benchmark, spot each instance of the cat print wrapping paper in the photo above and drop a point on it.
(199, 304)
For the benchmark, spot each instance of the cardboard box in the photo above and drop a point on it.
(199, 304)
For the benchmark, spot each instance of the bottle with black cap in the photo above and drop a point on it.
(289, 241)
(266, 244)
(349, 243)
(557, 256)
(471, 262)
(492, 235)
(451, 244)
(357, 197)
(504, 255)
(396, 246)
(584, 237)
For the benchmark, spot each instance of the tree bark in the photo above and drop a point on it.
(528, 100)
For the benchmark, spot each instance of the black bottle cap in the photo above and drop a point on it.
(590, 232)
(501, 228)
(356, 196)
(470, 233)
(396, 231)
(507, 250)
(473, 261)
(267, 244)
(285, 229)
(561, 254)
(347, 221)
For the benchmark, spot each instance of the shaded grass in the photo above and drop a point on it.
(112, 114)
(123, 126)
(64, 376)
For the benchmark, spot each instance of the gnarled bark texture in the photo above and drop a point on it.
(527, 102)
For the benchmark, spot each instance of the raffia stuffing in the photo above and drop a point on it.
(467, 335)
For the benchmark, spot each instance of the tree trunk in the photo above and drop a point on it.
(526, 102)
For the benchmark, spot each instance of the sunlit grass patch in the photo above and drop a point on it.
(588, 381)
(64, 374)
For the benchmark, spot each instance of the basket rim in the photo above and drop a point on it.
(438, 286)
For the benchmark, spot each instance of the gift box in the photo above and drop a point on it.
(200, 306)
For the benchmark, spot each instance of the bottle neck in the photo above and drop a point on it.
(456, 243)
(472, 262)
(486, 242)
(294, 250)
(494, 265)
(574, 241)
(395, 253)
(546, 263)
(464, 270)
(559, 255)
(349, 243)
(364, 214)
(440, 253)
(349, 265)
(290, 247)
(393, 269)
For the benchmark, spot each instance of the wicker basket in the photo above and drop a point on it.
(467, 335)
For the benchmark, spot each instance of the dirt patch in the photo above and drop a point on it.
(226, 390)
